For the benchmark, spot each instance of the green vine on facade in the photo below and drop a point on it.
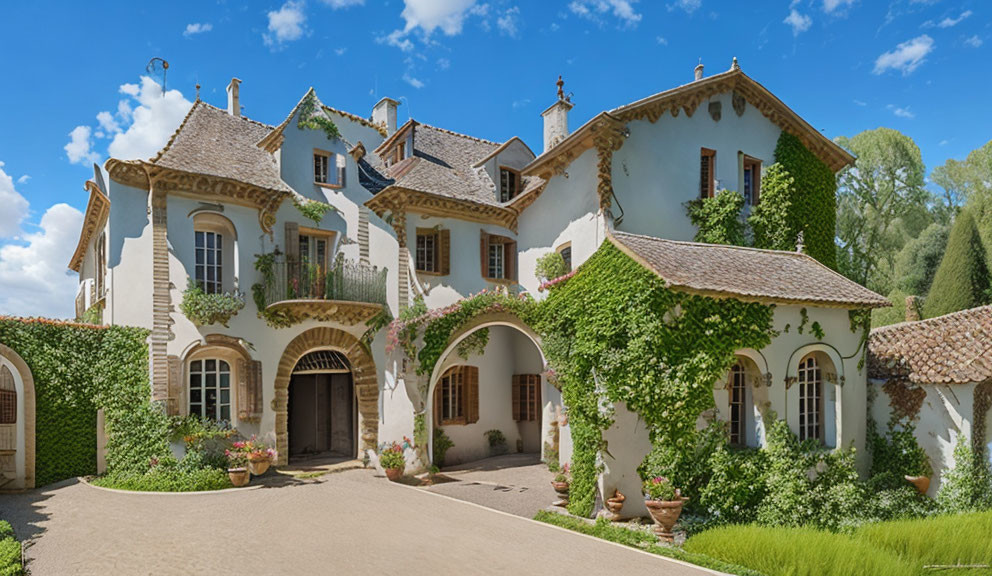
(719, 219)
(204, 309)
(265, 266)
(312, 118)
(313, 210)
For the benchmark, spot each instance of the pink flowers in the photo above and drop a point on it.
(555, 281)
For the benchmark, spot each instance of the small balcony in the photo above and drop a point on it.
(346, 292)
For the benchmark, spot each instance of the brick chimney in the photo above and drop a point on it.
(698, 72)
(384, 114)
(233, 98)
(912, 308)
(556, 118)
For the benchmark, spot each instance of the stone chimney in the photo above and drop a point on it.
(912, 308)
(556, 118)
(384, 113)
(233, 98)
(699, 71)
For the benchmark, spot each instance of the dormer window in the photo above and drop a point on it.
(509, 180)
(399, 153)
(321, 165)
(328, 169)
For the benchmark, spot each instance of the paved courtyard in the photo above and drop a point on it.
(516, 483)
(344, 523)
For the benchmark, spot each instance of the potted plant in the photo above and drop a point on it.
(392, 460)
(237, 467)
(664, 502)
(615, 504)
(561, 485)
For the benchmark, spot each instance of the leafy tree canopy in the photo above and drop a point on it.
(917, 262)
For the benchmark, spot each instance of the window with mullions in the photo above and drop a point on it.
(810, 399)
(210, 389)
(209, 264)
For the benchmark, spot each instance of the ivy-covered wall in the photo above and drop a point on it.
(615, 333)
(78, 368)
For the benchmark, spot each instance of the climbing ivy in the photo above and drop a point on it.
(76, 370)
(718, 220)
(313, 210)
(312, 118)
(265, 266)
(615, 333)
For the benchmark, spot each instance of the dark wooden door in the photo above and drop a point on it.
(321, 415)
(342, 415)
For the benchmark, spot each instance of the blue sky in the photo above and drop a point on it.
(74, 90)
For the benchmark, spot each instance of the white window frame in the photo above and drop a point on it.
(203, 380)
(426, 259)
(321, 167)
(452, 401)
(497, 261)
(810, 380)
(209, 259)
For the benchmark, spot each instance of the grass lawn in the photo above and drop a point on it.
(897, 548)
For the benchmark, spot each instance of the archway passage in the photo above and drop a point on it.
(322, 409)
(364, 385)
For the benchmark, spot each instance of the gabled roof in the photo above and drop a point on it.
(502, 147)
(687, 98)
(748, 274)
(951, 349)
(97, 211)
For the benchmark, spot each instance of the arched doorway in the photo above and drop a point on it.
(362, 375)
(17, 422)
(322, 408)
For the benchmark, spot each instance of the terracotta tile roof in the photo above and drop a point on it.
(211, 141)
(951, 349)
(746, 273)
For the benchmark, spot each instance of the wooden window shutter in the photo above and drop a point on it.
(538, 407)
(445, 252)
(438, 416)
(516, 397)
(249, 390)
(470, 388)
(292, 242)
(484, 254)
(510, 260)
(341, 173)
(175, 386)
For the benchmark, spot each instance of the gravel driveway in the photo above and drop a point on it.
(346, 523)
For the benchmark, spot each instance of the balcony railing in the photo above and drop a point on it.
(344, 281)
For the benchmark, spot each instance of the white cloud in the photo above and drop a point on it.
(443, 63)
(520, 103)
(197, 28)
(108, 123)
(901, 112)
(860, 102)
(429, 15)
(398, 39)
(338, 4)
(595, 10)
(34, 280)
(951, 22)
(799, 22)
(906, 57)
(974, 41)
(340, 51)
(661, 40)
(829, 6)
(413, 81)
(23, 179)
(80, 146)
(688, 6)
(943, 143)
(15, 206)
(507, 23)
(285, 24)
(152, 122)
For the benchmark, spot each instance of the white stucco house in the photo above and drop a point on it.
(425, 212)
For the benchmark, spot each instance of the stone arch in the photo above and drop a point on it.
(479, 322)
(364, 378)
(26, 414)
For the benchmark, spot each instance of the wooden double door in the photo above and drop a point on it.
(321, 415)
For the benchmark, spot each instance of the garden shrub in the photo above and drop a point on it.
(442, 443)
(690, 465)
(966, 487)
(917, 262)
(10, 551)
(550, 266)
(779, 551)
(736, 486)
(962, 279)
(770, 219)
(894, 456)
(170, 475)
(718, 220)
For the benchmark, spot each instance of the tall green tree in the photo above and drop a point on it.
(962, 180)
(917, 262)
(962, 280)
(881, 204)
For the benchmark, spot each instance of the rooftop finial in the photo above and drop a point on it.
(799, 242)
(735, 65)
(561, 88)
(197, 90)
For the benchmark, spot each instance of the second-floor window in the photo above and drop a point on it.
(209, 262)
(210, 389)
(321, 168)
(508, 180)
(752, 180)
(432, 254)
(498, 254)
(707, 173)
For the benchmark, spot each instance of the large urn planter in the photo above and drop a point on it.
(921, 483)
(561, 488)
(665, 514)
(239, 476)
(615, 504)
(258, 467)
(394, 474)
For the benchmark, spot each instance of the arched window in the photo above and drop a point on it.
(810, 399)
(737, 386)
(8, 397)
(215, 253)
(210, 389)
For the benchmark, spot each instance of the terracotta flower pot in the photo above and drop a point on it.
(394, 474)
(665, 514)
(561, 488)
(615, 504)
(922, 483)
(239, 476)
(258, 467)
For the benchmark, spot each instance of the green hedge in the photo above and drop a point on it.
(78, 368)
(10, 551)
